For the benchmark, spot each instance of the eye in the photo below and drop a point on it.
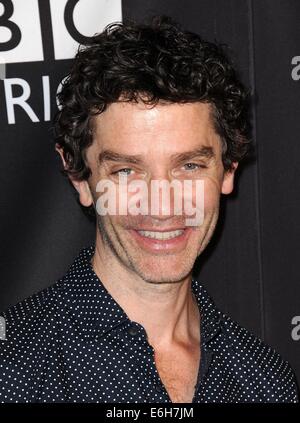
(193, 166)
(125, 171)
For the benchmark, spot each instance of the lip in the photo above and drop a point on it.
(160, 230)
(167, 245)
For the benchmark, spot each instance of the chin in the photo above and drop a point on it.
(157, 276)
(163, 269)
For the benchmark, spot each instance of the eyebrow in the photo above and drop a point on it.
(109, 155)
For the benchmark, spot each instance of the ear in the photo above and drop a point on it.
(228, 179)
(82, 187)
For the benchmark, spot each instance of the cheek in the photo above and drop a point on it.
(212, 190)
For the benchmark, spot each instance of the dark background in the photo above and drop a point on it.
(251, 266)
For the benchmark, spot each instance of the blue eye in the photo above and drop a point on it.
(124, 171)
(194, 166)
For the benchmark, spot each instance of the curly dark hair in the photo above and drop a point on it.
(151, 62)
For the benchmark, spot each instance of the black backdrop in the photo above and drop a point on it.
(251, 266)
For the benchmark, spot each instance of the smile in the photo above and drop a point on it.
(165, 241)
(161, 235)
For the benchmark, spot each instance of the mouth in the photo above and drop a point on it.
(167, 240)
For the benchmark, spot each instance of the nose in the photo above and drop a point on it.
(164, 198)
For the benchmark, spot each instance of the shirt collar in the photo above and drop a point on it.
(96, 312)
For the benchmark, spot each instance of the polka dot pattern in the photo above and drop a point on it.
(73, 343)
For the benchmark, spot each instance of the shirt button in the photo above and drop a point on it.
(133, 331)
(158, 388)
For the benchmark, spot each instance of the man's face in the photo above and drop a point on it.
(149, 144)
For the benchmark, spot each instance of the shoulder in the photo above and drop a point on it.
(261, 364)
(247, 368)
(39, 307)
(31, 330)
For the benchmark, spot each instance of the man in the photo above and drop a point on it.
(128, 322)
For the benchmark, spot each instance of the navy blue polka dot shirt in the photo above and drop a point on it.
(73, 343)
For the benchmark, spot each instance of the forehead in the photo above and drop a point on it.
(138, 128)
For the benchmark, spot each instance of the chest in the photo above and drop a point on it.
(179, 372)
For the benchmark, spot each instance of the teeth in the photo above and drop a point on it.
(161, 235)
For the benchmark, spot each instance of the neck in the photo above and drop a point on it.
(168, 312)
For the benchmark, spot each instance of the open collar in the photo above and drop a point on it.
(96, 312)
